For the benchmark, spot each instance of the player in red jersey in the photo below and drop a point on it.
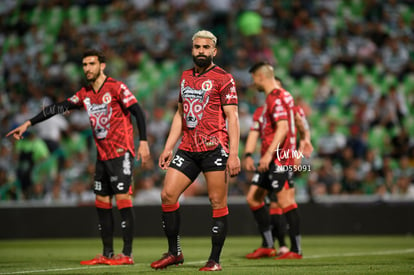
(109, 105)
(277, 221)
(207, 99)
(276, 127)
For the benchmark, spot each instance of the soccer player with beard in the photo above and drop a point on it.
(109, 105)
(276, 127)
(207, 99)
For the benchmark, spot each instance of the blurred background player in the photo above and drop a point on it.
(275, 124)
(109, 105)
(277, 220)
(207, 99)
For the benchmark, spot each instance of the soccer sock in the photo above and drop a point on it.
(106, 227)
(171, 226)
(292, 217)
(127, 225)
(218, 232)
(261, 215)
(278, 225)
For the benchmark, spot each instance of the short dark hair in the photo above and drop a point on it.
(280, 80)
(94, 52)
(258, 65)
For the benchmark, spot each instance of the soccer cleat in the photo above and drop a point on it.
(121, 259)
(211, 266)
(262, 252)
(168, 259)
(282, 251)
(290, 256)
(99, 259)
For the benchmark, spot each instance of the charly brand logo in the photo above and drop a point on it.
(289, 158)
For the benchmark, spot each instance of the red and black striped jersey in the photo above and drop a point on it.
(202, 97)
(108, 115)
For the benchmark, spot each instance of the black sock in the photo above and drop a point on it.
(278, 225)
(292, 218)
(106, 227)
(171, 226)
(127, 225)
(261, 216)
(218, 236)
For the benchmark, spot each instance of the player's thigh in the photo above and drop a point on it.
(119, 171)
(283, 198)
(101, 185)
(217, 187)
(175, 182)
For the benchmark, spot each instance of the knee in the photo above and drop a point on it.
(285, 201)
(251, 200)
(254, 202)
(168, 197)
(217, 201)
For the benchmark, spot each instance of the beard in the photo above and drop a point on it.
(259, 88)
(202, 62)
(93, 77)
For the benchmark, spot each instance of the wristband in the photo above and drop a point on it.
(247, 155)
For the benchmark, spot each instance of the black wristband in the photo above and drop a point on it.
(247, 155)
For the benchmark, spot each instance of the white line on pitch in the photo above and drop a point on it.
(390, 252)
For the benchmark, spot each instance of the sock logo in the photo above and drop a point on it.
(123, 224)
(215, 229)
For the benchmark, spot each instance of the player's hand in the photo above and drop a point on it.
(248, 164)
(233, 165)
(305, 146)
(264, 163)
(143, 153)
(165, 159)
(18, 132)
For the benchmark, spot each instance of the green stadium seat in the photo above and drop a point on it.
(409, 124)
(378, 139)
(386, 82)
(75, 15)
(54, 20)
(337, 74)
(357, 8)
(35, 16)
(283, 55)
(407, 13)
(307, 88)
(169, 69)
(94, 14)
(408, 84)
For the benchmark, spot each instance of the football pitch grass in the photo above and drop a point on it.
(322, 255)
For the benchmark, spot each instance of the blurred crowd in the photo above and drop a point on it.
(348, 63)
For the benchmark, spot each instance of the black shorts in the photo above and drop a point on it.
(114, 176)
(192, 163)
(273, 181)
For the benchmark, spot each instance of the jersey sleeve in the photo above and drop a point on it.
(228, 93)
(256, 119)
(76, 99)
(125, 96)
(277, 108)
(300, 111)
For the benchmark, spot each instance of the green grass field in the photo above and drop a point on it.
(322, 255)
